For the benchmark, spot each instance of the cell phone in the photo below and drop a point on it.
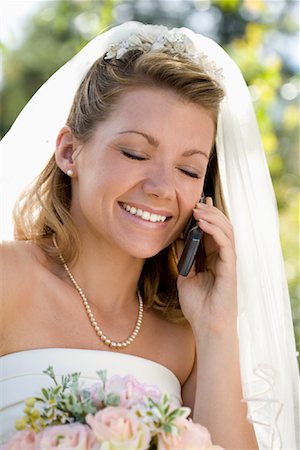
(192, 236)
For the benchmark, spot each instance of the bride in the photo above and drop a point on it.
(160, 119)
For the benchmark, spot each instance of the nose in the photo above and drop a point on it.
(159, 182)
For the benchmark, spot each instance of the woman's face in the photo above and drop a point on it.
(142, 172)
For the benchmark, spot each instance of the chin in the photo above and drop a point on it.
(141, 252)
(145, 254)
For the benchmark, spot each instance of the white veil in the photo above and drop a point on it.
(267, 346)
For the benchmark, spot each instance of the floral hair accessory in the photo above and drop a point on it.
(171, 41)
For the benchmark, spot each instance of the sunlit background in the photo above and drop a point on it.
(262, 36)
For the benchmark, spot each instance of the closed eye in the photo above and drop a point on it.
(132, 156)
(190, 174)
(135, 157)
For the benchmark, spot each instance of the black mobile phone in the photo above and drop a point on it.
(192, 236)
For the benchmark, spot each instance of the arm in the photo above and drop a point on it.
(214, 393)
(218, 396)
(208, 300)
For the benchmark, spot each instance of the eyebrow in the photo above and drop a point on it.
(155, 143)
(152, 141)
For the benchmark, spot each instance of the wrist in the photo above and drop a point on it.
(217, 341)
(218, 331)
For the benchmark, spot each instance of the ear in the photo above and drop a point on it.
(65, 146)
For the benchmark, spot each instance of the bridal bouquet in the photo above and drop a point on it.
(114, 414)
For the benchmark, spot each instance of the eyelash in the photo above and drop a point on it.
(141, 158)
(190, 174)
(131, 156)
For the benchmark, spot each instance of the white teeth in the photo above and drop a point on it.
(154, 218)
(145, 215)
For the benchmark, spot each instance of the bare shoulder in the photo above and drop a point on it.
(17, 258)
(20, 248)
(18, 263)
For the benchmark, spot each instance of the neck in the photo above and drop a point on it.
(104, 276)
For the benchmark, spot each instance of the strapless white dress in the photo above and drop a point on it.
(22, 377)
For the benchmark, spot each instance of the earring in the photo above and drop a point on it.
(70, 173)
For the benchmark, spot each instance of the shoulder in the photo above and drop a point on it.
(19, 261)
(20, 247)
(19, 255)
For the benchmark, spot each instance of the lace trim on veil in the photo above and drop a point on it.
(262, 402)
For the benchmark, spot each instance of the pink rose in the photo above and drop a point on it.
(118, 428)
(23, 440)
(130, 390)
(73, 436)
(192, 436)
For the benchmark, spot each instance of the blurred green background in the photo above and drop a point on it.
(262, 36)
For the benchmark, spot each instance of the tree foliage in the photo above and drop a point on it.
(258, 34)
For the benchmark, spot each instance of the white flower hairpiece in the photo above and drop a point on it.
(172, 41)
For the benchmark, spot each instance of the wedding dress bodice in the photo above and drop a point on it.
(22, 377)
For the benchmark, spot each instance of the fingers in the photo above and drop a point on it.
(222, 241)
(215, 224)
(213, 216)
(208, 201)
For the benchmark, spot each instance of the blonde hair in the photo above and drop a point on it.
(44, 209)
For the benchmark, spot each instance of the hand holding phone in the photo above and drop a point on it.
(192, 235)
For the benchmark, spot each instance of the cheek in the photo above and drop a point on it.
(98, 178)
(186, 204)
(98, 188)
(188, 200)
(190, 196)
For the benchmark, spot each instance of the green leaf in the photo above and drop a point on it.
(166, 409)
(50, 372)
(173, 415)
(45, 393)
(184, 411)
(102, 374)
(57, 390)
(112, 399)
(75, 377)
(165, 399)
(85, 394)
(167, 428)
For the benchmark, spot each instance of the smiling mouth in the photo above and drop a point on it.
(145, 215)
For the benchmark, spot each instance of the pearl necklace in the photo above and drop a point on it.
(99, 332)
